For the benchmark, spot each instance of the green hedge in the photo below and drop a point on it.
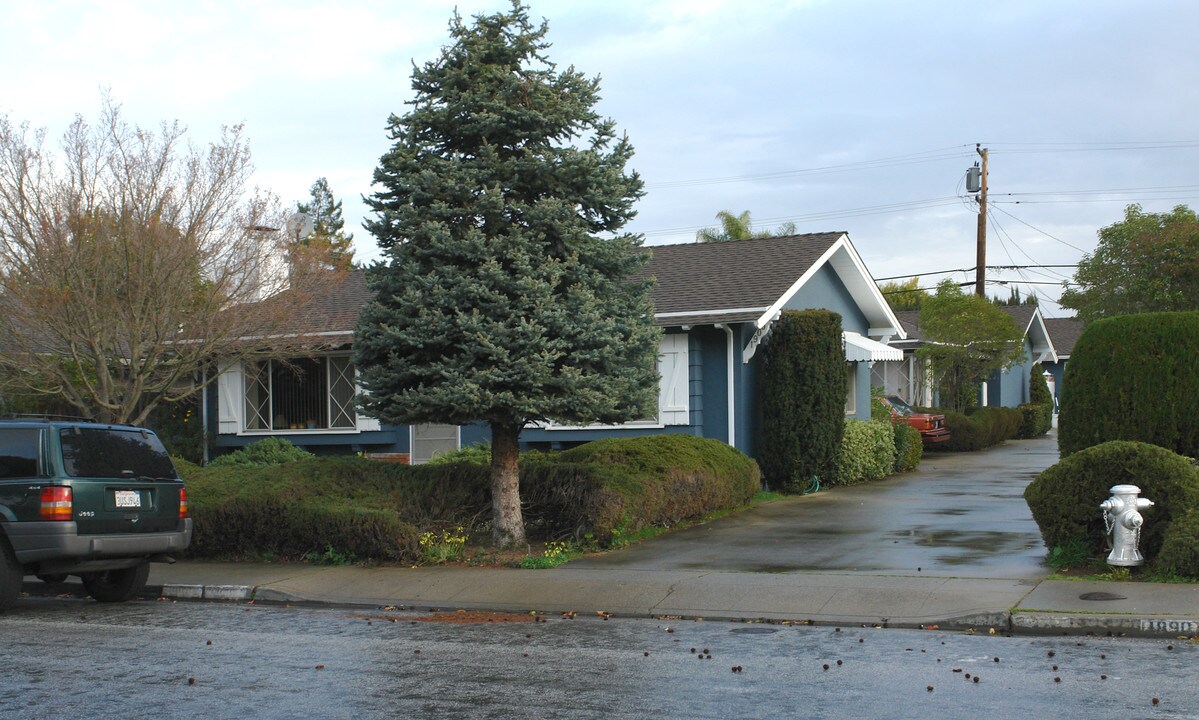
(801, 394)
(264, 452)
(1065, 499)
(377, 510)
(1133, 377)
(1038, 411)
(659, 480)
(909, 447)
(982, 428)
(867, 452)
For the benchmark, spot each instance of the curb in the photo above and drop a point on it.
(1115, 625)
(1039, 623)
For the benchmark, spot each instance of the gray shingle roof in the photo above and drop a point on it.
(695, 282)
(747, 276)
(1064, 332)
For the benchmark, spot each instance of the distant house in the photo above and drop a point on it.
(1064, 332)
(910, 379)
(716, 303)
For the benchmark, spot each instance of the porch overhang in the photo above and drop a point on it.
(862, 349)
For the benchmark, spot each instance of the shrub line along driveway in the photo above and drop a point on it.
(951, 545)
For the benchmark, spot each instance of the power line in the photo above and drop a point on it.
(970, 269)
(1051, 237)
(827, 215)
(924, 156)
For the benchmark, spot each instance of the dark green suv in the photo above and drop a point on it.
(79, 498)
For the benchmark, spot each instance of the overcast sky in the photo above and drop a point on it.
(837, 115)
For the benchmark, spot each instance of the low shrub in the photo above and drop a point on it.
(479, 454)
(867, 452)
(1065, 500)
(909, 448)
(1032, 421)
(1179, 554)
(352, 506)
(262, 453)
(657, 480)
(998, 423)
(982, 428)
(316, 505)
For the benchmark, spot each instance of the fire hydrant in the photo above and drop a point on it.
(1123, 523)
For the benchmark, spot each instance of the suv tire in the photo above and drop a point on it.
(11, 576)
(117, 585)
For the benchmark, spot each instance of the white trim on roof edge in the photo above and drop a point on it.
(689, 313)
(848, 265)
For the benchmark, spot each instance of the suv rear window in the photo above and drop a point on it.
(19, 452)
(111, 453)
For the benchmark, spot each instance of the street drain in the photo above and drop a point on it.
(1101, 596)
(755, 630)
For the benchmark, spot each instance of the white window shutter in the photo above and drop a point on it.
(674, 393)
(230, 399)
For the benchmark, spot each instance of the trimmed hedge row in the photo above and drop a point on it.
(1133, 377)
(1065, 499)
(982, 428)
(376, 510)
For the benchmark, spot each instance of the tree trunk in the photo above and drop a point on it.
(507, 522)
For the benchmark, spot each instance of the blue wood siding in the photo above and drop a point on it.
(1009, 388)
(825, 291)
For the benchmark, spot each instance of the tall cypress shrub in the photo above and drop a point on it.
(802, 399)
(1133, 377)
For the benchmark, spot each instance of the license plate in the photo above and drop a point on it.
(128, 499)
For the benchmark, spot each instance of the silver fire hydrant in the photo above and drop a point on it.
(1123, 523)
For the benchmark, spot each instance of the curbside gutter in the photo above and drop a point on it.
(1015, 622)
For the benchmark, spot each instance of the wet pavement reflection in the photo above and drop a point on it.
(959, 515)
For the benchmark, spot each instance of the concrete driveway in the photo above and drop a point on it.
(958, 515)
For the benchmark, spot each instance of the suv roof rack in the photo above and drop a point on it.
(46, 416)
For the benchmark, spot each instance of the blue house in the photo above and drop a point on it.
(909, 378)
(1064, 332)
(716, 303)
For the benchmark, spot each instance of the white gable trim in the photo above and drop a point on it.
(777, 306)
(848, 265)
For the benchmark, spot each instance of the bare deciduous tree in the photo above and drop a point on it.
(131, 261)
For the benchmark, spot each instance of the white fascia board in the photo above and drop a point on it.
(777, 306)
(727, 311)
(861, 285)
(1046, 349)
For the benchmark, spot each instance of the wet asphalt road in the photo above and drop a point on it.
(958, 515)
(77, 659)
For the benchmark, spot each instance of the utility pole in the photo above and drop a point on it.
(980, 281)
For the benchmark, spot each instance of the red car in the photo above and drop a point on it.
(932, 427)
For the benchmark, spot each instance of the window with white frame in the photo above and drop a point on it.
(300, 394)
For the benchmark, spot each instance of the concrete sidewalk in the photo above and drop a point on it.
(979, 604)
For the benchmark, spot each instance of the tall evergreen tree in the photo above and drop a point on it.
(499, 300)
(327, 241)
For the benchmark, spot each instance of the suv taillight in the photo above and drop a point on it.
(183, 510)
(56, 503)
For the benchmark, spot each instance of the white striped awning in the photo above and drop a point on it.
(862, 349)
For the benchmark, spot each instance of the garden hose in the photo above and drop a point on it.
(814, 487)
